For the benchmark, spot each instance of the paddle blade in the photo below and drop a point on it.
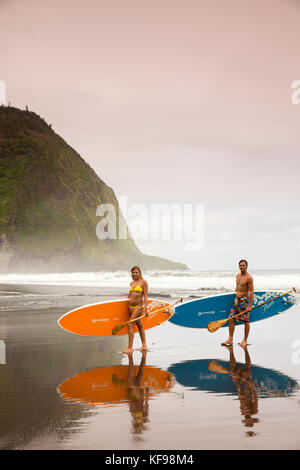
(117, 328)
(215, 325)
(213, 366)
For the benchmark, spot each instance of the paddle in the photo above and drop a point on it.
(215, 325)
(213, 366)
(119, 327)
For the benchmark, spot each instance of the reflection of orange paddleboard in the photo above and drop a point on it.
(99, 319)
(110, 384)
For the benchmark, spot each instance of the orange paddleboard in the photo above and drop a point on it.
(112, 384)
(99, 319)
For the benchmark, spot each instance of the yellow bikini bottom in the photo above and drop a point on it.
(135, 306)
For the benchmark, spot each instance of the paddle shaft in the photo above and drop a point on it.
(152, 313)
(145, 316)
(274, 298)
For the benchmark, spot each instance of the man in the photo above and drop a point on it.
(242, 302)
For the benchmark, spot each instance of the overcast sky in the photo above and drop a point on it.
(184, 101)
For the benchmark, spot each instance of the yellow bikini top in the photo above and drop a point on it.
(136, 289)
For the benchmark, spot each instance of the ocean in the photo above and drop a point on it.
(18, 291)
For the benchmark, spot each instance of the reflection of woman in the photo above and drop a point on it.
(138, 396)
(137, 304)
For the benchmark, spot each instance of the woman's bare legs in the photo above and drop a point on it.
(137, 312)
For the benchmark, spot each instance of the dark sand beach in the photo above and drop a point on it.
(63, 391)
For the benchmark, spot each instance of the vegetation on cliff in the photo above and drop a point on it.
(48, 201)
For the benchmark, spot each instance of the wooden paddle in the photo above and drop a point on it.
(215, 325)
(213, 366)
(119, 327)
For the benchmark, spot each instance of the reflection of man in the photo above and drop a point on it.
(246, 390)
(242, 303)
(138, 396)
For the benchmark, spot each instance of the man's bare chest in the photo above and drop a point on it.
(242, 282)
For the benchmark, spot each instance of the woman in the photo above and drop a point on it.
(137, 305)
(138, 396)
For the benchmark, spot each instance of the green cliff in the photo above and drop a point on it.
(48, 201)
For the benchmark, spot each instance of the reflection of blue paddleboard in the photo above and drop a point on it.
(198, 313)
(213, 375)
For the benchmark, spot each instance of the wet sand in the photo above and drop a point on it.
(63, 391)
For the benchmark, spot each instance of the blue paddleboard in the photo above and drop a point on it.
(215, 376)
(198, 313)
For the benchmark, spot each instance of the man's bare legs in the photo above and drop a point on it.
(247, 329)
(229, 341)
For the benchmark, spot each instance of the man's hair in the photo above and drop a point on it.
(243, 261)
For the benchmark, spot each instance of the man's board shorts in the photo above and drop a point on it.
(239, 305)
